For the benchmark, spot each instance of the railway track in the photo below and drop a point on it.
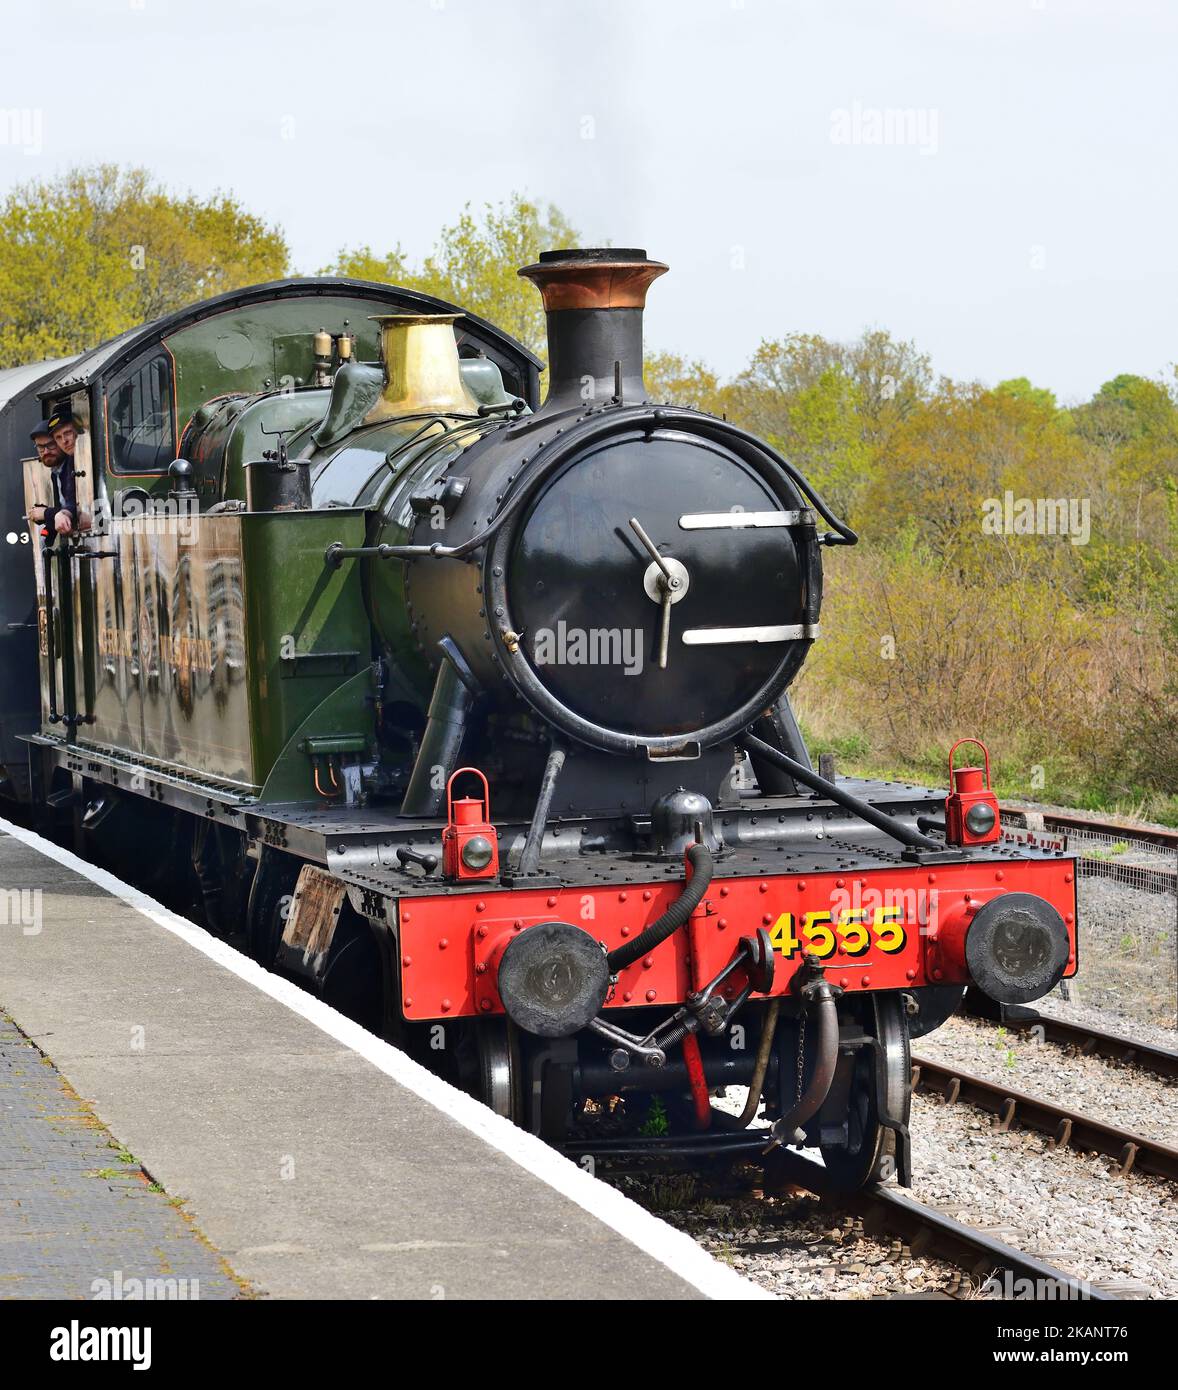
(1086, 1039)
(1144, 857)
(929, 1232)
(1066, 1128)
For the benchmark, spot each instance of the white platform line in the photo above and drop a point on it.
(677, 1251)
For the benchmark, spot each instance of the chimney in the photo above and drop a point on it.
(421, 374)
(594, 301)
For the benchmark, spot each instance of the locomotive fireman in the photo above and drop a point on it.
(60, 518)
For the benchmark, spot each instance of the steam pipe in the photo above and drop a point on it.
(863, 809)
(530, 858)
(449, 711)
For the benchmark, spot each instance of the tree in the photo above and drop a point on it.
(98, 250)
(1019, 388)
(833, 408)
(363, 263)
(476, 262)
(675, 380)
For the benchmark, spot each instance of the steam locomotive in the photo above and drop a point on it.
(472, 714)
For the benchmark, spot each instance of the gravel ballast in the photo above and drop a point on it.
(1116, 1093)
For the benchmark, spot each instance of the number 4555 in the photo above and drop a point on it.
(857, 930)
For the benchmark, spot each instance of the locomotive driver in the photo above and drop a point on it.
(60, 518)
(67, 517)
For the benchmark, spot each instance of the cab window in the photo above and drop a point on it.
(139, 412)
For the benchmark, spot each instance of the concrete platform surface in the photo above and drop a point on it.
(319, 1161)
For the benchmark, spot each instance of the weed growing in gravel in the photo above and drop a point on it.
(672, 1192)
(655, 1123)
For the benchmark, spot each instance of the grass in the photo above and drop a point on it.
(1053, 782)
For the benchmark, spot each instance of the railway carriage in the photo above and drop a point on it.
(473, 714)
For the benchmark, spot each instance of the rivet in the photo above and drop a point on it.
(445, 1006)
(646, 897)
(443, 943)
(722, 924)
(405, 917)
(483, 929)
(481, 968)
(551, 902)
(627, 996)
(844, 981)
(406, 961)
(621, 897)
(932, 878)
(910, 974)
(518, 923)
(1067, 878)
(724, 891)
(648, 962)
(763, 888)
(1069, 918)
(651, 995)
(999, 875)
(801, 885)
(408, 1002)
(485, 1006)
(767, 918)
(840, 883)
(938, 974)
(480, 907)
(625, 931)
(865, 981)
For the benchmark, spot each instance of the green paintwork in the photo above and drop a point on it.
(295, 413)
(353, 394)
(340, 723)
(255, 348)
(298, 611)
(379, 467)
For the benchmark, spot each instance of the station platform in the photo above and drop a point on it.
(312, 1159)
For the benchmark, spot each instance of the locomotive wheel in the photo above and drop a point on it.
(500, 1068)
(353, 981)
(269, 901)
(870, 1154)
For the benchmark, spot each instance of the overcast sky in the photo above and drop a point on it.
(992, 178)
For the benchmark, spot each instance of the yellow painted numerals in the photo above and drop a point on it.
(857, 930)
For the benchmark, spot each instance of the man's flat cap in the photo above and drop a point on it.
(43, 428)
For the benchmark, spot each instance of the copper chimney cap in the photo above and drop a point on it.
(608, 277)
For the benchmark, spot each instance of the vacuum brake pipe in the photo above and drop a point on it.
(699, 857)
(790, 1127)
(863, 809)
